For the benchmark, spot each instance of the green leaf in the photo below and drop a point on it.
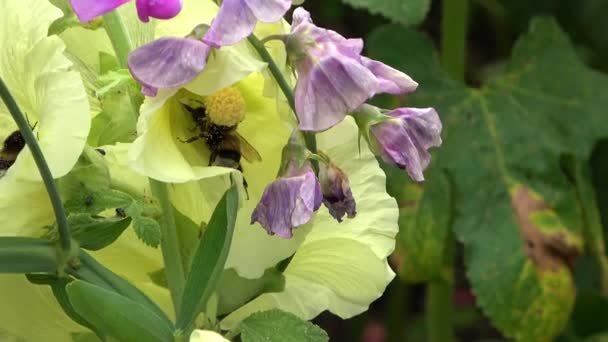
(27, 255)
(90, 172)
(209, 259)
(114, 81)
(280, 326)
(515, 211)
(94, 272)
(424, 225)
(117, 316)
(593, 229)
(234, 291)
(94, 233)
(93, 202)
(188, 234)
(116, 122)
(410, 12)
(590, 316)
(58, 286)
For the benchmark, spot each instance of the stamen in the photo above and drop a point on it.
(226, 107)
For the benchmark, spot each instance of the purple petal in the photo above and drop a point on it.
(87, 10)
(160, 9)
(392, 81)
(268, 11)
(233, 23)
(405, 143)
(300, 17)
(168, 62)
(287, 203)
(328, 90)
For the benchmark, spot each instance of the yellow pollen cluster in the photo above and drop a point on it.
(225, 107)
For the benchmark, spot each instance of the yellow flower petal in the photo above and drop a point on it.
(339, 267)
(30, 312)
(53, 98)
(206, 336)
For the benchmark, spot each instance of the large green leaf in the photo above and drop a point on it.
(424, 224)
(280, 326)
(95, 273)
(410, 12)
(515, 211)
(115, 315)
(209, 259)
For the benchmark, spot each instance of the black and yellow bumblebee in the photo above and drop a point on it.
(226, 144)
(13, 144)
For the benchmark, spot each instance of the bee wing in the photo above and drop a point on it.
(247, 151)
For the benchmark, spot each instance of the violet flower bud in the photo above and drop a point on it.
(337, 196)
(403, 138)
(87, 10)
(291, 200)
(334, 79)
(237, 19)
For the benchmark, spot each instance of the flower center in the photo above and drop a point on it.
(225, 107)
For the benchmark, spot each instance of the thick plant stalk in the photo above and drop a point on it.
(439, 302)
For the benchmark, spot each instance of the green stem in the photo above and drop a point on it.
(453, 37)
(174, 269)
(123, 45)
(439, 304)
(395, 324)
(43, 168)
(309, 138)
(439, 312)
(119, 37)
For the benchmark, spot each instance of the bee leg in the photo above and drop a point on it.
(245, 185)
(193, 139)
(212, 158)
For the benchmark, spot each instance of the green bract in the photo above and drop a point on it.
(52, 96)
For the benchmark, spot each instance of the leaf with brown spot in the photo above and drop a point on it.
(502, 146)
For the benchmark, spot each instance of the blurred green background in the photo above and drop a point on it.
(492, 30)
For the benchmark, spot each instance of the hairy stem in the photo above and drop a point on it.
(43, 167)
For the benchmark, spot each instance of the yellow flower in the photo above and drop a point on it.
(52, 96)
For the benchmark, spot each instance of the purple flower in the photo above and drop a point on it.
(237, 19)
(404, 140)
(334, 79)
(289, 201)
(87, 10)
(337, 195)
(168, 63)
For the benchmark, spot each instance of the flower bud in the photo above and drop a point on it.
(402, 137)
(290, 200)
(337, 195)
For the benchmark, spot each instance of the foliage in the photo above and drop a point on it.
(516, 210)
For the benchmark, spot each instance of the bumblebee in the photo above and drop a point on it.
(11, 147)
(226, 144)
